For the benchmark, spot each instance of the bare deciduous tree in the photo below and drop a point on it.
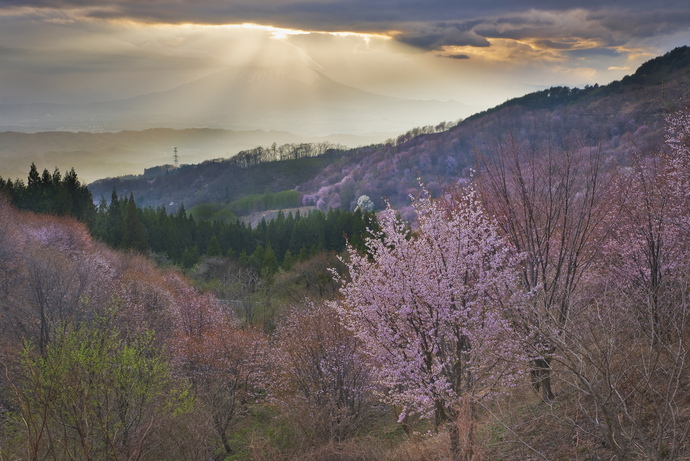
(551, 203)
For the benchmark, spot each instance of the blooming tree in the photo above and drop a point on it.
(678, 142)
(364, 203)
(428, 306)
(322, 378)
(226, 365)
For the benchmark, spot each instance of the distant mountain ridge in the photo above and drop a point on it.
(617, 118)
(291, 97)
(99, 155)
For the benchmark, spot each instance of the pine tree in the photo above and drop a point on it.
(270, 263)
(133, 232)
(114, 220)
(288, 261)
(214, 248)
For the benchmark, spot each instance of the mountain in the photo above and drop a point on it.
(616, 119)
(99, 155)
(288, 96)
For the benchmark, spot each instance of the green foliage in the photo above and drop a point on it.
(95, 394)
(288, 261)
(270, 262)
(214, 247)
(133, 232)
(213, 212)
(190, 256)
(184, 239)
(52, 194)
(209, 229)
(267, 201)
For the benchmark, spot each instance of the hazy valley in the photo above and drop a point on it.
(213, 117)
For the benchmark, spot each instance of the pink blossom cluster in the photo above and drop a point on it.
(428, 305)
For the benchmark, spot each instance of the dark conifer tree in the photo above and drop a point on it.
(115, 220)
(133, 232)
(214, 248)
(270, 262)
(288, 261)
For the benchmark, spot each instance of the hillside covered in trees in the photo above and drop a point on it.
(183, 240)
(615, 118)
(539, 310)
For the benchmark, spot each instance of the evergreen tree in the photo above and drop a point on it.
(303, 254)
(257, 258)
(133, 232)
(31, 199)
(190, 256)
(34, 177)
(214, 248)
(288, 261)
(82, 206)
(270, 263)
(115, 221)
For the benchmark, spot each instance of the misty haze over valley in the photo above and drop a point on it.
(215, 117)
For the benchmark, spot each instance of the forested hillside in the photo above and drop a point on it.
(537, 309)
(615, 118)
(183, 240)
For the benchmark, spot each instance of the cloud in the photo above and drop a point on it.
(439, 35)
(132, 46)
(643, 24)
(409, 17)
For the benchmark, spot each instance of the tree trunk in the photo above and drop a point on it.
(454, 433)
(221, 429)
(462, 432)
(541, 377)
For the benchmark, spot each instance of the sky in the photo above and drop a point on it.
(477, 52)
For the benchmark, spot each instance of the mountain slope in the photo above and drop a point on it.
(99, 155)
(615, 118)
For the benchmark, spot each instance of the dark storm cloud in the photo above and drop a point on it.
(587, 53)
(330, 14)
(645, 23)
(428, 25)
(437, 36)
(553, 44)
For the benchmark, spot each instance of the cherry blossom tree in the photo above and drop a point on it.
(322, 380)
(428, 307)
(61, 277)
(678, 142)
(227, 366)
(626, 356)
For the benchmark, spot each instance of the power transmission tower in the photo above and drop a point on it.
(176, 157)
